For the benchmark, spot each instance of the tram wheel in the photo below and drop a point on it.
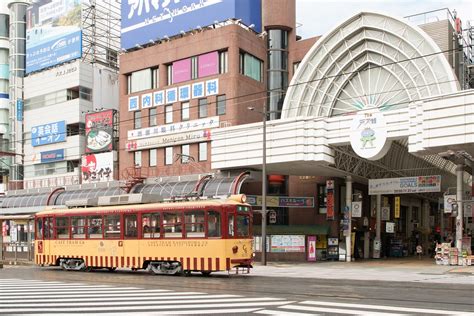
(206, 273)
(187, 273)
(112, 269)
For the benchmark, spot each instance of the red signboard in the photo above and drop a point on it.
(330, 204)
(99, 131)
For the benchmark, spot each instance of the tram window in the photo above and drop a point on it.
(194, 222)
(243, 226)
(78, 227)
(112, 226)
(151, 225)
(48, 228)
(131, 226)
(213, 224)
(39, 228)
(231, 225)
(172, 225)
(94, 224)
(62, 227)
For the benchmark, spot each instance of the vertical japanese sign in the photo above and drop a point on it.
(311, 248)
(19, 110)
(97, 167)
(48, 133)
(397, 207)
(99, 131)
(330, 199)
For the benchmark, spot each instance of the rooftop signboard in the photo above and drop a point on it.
(145, 20)
(53, 33)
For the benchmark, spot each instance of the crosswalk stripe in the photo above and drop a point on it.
(171, 296)
(381, 307)
(282, 313)
(80, 289)
(56, 287)
(336, 310)
(73, 295)
(161, 302)
(105, 291)
(187, 312)
(142, 308)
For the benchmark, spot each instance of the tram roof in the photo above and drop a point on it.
(233, 200)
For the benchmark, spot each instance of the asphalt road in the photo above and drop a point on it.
(340, 296)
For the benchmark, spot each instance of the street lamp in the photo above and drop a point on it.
(264, 183)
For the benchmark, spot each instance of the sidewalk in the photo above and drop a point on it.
(396, 270)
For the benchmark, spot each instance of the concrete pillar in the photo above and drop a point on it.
(378, 226)
(1, 244)
(349, 229)
(459, 198)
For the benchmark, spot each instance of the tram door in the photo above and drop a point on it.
(132, 249)
(112, 234)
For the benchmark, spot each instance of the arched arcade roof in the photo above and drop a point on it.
(371, 59)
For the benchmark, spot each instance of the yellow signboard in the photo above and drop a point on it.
(397, 207)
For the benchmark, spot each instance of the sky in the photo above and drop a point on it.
(316, 17)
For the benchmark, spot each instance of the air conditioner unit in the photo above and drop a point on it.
(138, 198)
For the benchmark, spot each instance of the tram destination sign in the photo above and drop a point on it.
(406, 185)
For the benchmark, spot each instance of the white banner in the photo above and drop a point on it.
(97, 167)
(181, 127)
(405, 185)
(169, 140)
(356, 209)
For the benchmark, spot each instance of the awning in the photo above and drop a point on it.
(8, 212)
(85, 194)
(167, 189)
(293, 230)
(15, 201)
(219, 187)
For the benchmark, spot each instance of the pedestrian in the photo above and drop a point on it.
(419, 251)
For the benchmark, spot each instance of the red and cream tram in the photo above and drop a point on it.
(163, 238)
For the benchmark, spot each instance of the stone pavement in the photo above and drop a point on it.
(395, 270)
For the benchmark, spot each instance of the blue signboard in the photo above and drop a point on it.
(19, 110)
(53, 34)
(48, 133)
(145, 20)
(52, 155)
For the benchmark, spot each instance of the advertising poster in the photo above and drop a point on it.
(208, 64)
(97, 167)
(311, 248)
(287, 243)
(421, 184)
(390, 227)
(143, 20)
(356, 209)
(449, 199)
(385, 213)
(99, 131)
(53, 33)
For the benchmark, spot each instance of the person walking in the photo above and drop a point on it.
(419, 251)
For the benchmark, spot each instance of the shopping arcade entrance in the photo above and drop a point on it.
(371, 61)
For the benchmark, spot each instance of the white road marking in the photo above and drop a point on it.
(283, 313)
(114, 294)
(382, 307)
(187, 312)
(138, 303)
(335, 310)
(141, 308)
(140, 297)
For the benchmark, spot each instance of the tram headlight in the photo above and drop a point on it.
(243, 198)
(235, 249)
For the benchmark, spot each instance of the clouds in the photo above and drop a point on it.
(320, 16)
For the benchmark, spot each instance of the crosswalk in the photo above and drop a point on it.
(39, 297)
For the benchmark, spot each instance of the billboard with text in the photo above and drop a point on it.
(145, 20)
(53, 33)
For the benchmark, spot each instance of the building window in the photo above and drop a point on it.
(169, 69)
(194, 67)
(139, 80)
(251, 66)
(185, 111)
(4, 25)
(137, 119)
(220, 106)
(153, 117)
(295, 66)
(184, 154)
(223, 62)
(137, 158)
(202, 108)
(168, 155)
(168, 114)
(155, 78)
(152, 157)
(202, 151)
